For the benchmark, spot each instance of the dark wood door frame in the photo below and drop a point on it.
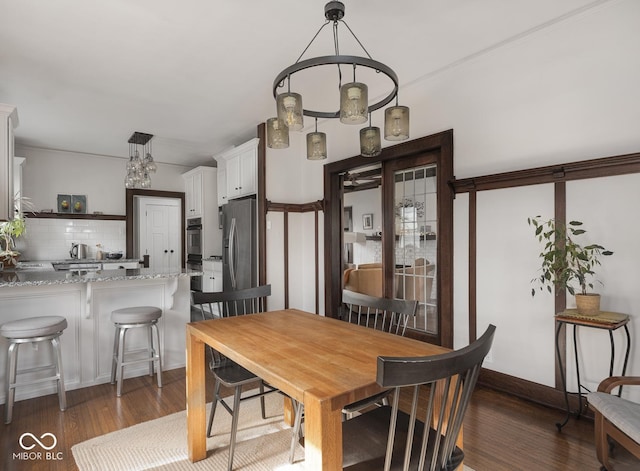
(440, 147)
(130, 223)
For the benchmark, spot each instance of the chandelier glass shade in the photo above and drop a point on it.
(277, 134)
(354, 103)
(354, 95)
(370, 144)
(290, 110)
(141, 164)
(316, 145)
(396, 123)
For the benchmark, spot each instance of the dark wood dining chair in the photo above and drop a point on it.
(424, 438)
(225, 371)
(389, 315)
(615, 418)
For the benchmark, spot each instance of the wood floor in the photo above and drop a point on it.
(501, 432)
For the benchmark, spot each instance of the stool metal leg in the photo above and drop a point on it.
(12, 363)
(114, 358)
(150, 349)
(62, 397)
(156, 352)
(119, 366)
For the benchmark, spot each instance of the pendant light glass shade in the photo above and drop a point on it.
(316, 146)
(354, 103)
(370, 144)
(289, 106)
(396, 123)
(277, 134)
(139, 169)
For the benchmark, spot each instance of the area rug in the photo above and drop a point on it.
(161, 444)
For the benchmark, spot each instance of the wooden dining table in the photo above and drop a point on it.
(323, 362)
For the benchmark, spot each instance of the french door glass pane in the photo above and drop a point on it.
(416, 222)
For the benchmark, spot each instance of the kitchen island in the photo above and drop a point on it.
(86, 299)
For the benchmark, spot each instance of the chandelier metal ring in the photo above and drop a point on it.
(338, 60)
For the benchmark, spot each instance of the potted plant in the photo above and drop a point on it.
(567, 265)
(10, 231)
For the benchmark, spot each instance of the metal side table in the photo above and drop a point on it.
(609, 321)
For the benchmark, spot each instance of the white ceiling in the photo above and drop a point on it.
(197, 74)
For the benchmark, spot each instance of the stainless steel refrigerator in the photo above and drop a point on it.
(239, 245)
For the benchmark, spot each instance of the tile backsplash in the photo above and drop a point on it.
(51, 239)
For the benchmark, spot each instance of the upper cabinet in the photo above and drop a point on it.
(8, 122)
(222, 186)
(200, 191)
(17, 181)
(201, 200)
(193, 192)
(241, 170)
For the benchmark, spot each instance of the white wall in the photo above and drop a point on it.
(366, 202)
(51, 239)
(564, 93)
(47, 173)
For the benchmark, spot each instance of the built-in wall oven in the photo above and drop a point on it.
(196, 281)
(194, 237)
(194, 250)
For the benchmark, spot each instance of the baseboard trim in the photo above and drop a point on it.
(528, 390)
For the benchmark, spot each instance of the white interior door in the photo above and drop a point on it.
(159, 230)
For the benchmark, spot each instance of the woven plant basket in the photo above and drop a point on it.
(588, 304)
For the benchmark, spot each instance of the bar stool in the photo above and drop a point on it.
(130, 318)
(32, 330)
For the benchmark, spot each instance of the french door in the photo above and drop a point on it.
(417, 231)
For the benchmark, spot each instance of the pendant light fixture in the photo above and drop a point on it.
(289, 107)
(354, 102)
(370, 145)
(140, 167)
(396, 123)
(277, 134)
(354, 95)
(316, 145)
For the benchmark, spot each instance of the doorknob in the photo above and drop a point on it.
(165, 251)
(172, 251)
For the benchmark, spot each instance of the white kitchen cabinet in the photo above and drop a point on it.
(87, 342)
(222, 186)
(18, 162)
(8, 122)
(241, 169)
(201, 200)
(193, 193)
(212, 278)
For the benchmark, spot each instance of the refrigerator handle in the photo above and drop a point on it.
(231, 253)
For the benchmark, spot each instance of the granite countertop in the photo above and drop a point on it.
(83, 260)
(12, 278)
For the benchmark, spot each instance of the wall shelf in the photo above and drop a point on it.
(100, 217)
